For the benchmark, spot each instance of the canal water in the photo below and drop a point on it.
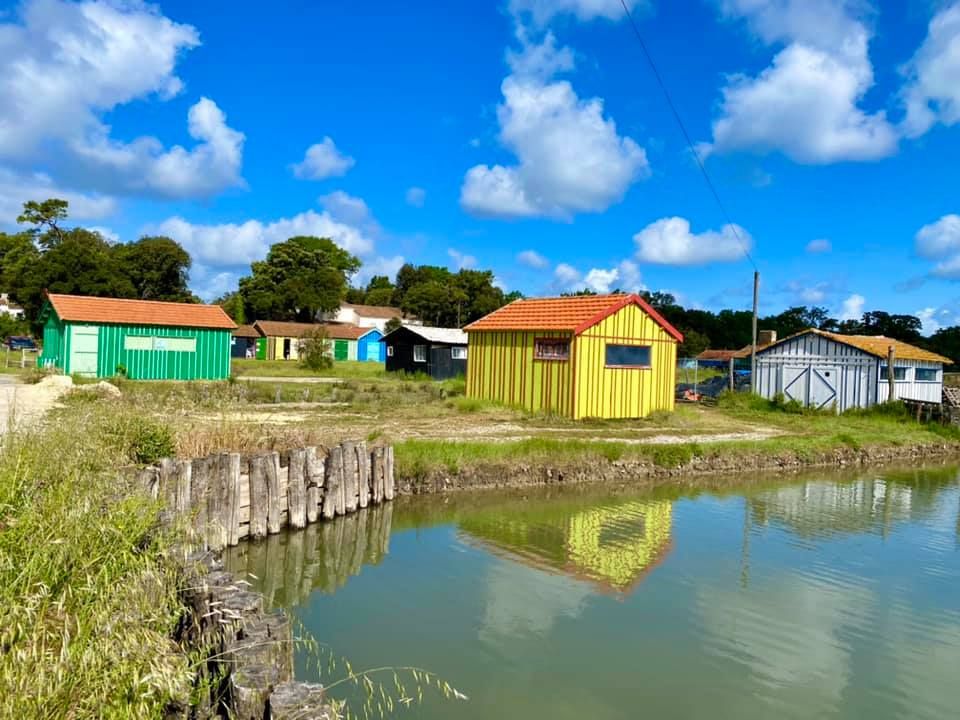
(815, 597)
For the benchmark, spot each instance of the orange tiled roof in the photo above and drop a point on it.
(79, 308)
(336, 331)
(572, 314)
(248, 331)
(374, 311)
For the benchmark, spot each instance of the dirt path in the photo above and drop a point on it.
(21, 405)
(297, 380)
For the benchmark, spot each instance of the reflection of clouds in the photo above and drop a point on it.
(523, 601)
(792, 637)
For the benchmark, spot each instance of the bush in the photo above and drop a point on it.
(315, 350)
(143, 440)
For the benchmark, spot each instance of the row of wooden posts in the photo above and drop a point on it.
(227, 497)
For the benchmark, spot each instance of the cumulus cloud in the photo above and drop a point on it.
(806, 104)
(67, 64)
(532, 259)
(461, 261)
(379, 265)
(821, 245)
(669, 241)
(852, 307)
(940, 241)
(542, 12)
(570, 157)
(17, 188)
(323, 160)
(625, 277)
(233, 244)
(932, 92)
(416, 196)
(348, 209)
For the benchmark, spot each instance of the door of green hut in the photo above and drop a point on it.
(340, 350)
(261, 348)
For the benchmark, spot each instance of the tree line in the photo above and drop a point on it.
(304, 277)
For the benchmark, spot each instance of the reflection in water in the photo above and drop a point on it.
(836, 598)
(614, 546)
(288, 567)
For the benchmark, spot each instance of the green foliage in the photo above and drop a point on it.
(315, 350)
(46, 215)
(232, 304)
(299, 278)
(392, 324)
(158, 268)
(141, 439)
(446, 299)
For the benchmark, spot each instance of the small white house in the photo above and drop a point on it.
(367, 316)
(9, 308)
(823, 369)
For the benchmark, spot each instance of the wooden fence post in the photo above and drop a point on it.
(314, 479)
(350, 490)
(363, 474)
(168, 484)
(388, 483)
(216, 504)
(376, 475)
(258, 497)
(332, 490)
(231, 515)
(184, 479)
(273, 492)
(296, 490)
(199, 492)
(891, 375)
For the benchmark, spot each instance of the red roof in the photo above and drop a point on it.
(573, 314)
(117, 311)
(335, 331)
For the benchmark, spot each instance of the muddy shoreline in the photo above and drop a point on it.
(643, 473)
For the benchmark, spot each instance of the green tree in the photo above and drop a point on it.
(299, 278)
(429, 301)
(158, 267)
(946, 342)
(46, 216)
(315, 350)
(232, 304)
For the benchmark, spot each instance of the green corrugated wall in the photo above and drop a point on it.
(210, 361)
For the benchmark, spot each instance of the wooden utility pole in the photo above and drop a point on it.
(753, 346)
(730, 379)
(891, 375)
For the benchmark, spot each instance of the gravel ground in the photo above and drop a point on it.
(21, 405)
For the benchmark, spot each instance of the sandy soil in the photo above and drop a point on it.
(296, 380)
(21, 405)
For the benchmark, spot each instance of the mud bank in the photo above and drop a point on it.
(645, 473)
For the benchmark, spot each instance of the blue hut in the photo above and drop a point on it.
(370, 348)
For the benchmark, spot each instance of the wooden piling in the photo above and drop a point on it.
(216, 504)
(296, 490)
(350, 486)
(376, 475)
(258, 497)
(332, 483)
(388, 484)
(272, 467)
(314, 480)
(168, 484)
(363, 475)
(199, 490)
(231, 515)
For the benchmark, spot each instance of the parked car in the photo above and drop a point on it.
(20, 342)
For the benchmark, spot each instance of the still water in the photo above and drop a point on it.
(818, 597)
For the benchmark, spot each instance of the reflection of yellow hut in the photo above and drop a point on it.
(613, 546)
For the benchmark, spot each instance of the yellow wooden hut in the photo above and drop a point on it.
(602, 356)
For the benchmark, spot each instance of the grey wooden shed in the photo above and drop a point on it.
(823, 369)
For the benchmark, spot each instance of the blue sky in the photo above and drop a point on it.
(526, 136)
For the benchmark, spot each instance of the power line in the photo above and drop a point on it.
(686, 135)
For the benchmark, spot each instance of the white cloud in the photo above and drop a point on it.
(323, 160)
(67, 64)
(348, 209)
(566, 276)
(940, 241)
(806, 103)
(533, 259)
(542, 12)
(18, 188)
(570, 158)
(105, 232)
(379, 266)
(625, 276)
(932, 92)
(416, 196)
(669, 241)
(143, 165)
(928, 319)
(818, 246)
(810, 294)
(460, 260)
(231, 244)
(543, 60)
(852, 307)
(209, 284)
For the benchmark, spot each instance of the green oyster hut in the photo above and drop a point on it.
(147, 340)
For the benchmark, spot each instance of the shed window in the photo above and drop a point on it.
(389, 350)
(927, 375)
(458, 353)
(149, 342)
(138, 342)
(551, 349)
(420, 353)
(631, 356)
(899, 373)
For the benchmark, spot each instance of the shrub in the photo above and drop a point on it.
(315, 350)
(143, 440)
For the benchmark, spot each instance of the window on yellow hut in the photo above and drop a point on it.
(551, 349)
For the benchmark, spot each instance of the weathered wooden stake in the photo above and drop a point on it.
(258, 497)
(231, 511)
(333, 483)
(388, 486)
(184, 476)
(296, 490)
(376, 475)
(199, 492)
(363, 475)
(350, 489)
(168, 484)
(273, 492)
(216, 504)
(314, 479)
(891, 375)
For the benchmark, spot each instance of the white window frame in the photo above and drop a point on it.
(935, 371)
(458, 353)
(896, 368)
(389, 350)
(551, 349)
(420, 350)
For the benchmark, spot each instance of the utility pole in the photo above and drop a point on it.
(891, 375)
(753, 346)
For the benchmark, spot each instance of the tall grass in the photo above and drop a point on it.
(87, 601)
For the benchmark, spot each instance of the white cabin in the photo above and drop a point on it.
(822, 369)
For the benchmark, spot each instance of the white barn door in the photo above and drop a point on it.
(812, 386)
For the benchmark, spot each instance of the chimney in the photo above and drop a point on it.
(766, 337)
